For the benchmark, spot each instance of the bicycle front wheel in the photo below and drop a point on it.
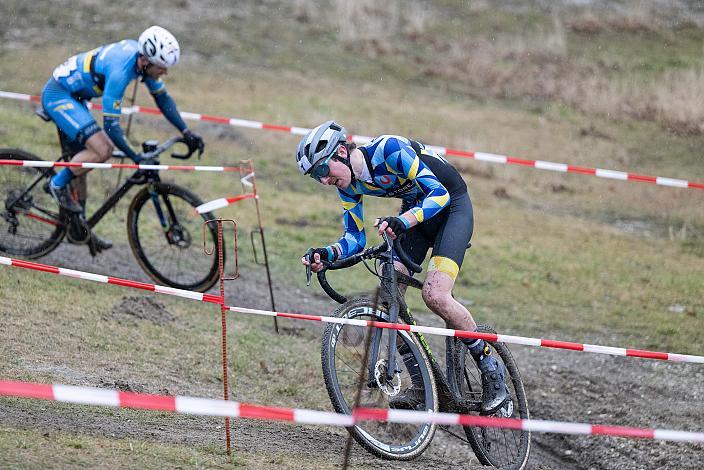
(413, 388)
(30, 223)
(498, 447)
(165, 233)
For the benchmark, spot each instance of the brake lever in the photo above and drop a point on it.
(309, 270)
(387, 240)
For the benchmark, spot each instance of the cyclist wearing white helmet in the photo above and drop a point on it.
(159, 47)
(436, 213)
(106, 71)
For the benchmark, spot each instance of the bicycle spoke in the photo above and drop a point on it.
(498, 446)
(346, 361)
(173, 254)
(411, 386)
(29, 220)
(456, 436)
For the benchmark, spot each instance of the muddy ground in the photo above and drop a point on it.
(561, 385)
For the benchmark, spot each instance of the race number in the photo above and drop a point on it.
(65, 69)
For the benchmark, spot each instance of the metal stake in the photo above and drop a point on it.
(223, 311)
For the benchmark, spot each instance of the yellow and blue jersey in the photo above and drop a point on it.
(402, 168)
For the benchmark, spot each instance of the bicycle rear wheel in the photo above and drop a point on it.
(30, 223)
(499, 447)
(165, 233)
(413, 388)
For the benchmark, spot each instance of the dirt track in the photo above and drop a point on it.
(563, 386)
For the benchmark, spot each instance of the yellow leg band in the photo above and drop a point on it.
(444, 265)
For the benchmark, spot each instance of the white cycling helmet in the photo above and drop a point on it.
(319, 143)
(159, 46)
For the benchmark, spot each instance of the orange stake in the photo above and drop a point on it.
(223, 310)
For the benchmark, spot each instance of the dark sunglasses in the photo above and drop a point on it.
(322, 168)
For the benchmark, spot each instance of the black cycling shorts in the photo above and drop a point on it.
(448, 233)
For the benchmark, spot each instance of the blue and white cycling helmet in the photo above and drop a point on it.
(159, 46)
(318, 144)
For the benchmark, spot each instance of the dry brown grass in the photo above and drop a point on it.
(370, 20)
(366, 26)
(679, 101)
(534, 65)
(540, 69)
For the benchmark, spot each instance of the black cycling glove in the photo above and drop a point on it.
(193, 141)
(324, 254)
(395, 224)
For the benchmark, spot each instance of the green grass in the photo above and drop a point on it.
(25, 448)
(560, 256)
(522, 269)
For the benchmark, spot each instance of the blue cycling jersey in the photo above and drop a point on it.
(105, 71)
(396, 169)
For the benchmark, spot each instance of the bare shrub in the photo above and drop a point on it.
(679, 100)
(304, 10)
(373, 27)
(529, 65)
(415, 18)
(587, 23)
(633, 17)
(636, 18)
(366, 20)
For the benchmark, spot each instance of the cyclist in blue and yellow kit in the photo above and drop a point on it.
(436, 213)
(106, 71)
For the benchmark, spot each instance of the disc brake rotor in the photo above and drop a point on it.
(390, 388)
(179, 236)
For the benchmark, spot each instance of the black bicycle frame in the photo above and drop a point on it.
(448, 389)
(138, 178)
(449, 382)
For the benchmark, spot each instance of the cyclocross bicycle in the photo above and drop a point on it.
(163, 228)
(401, 371)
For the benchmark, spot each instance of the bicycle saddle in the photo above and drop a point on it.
(42, 114)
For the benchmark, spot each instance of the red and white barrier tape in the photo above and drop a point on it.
(545, 343)
(481, 156)
(226, 201)
(134, 166)
(222, 202)
(211, 407)
(205, 207)
(215, 299)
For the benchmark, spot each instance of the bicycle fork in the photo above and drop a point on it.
(157, 207)
(175, 234)
(388, 273)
